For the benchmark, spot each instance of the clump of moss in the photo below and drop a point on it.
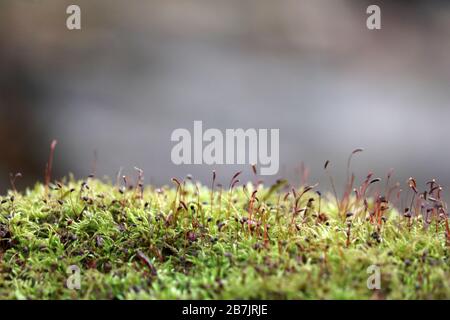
(194, 242)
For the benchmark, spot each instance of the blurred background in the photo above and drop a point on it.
(140, 69)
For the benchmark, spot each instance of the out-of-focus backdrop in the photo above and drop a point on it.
(140, 69)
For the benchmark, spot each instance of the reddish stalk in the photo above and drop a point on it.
(250, 210)
(233, 182)
(332, 185)
(12, 180)
(48, 168)
(212, 190)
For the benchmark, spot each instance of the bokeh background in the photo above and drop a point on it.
(140, 69)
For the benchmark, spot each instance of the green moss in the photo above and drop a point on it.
(164, 244)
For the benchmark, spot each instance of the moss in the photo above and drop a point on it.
(171, 243)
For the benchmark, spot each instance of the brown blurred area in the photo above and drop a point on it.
(139, 69)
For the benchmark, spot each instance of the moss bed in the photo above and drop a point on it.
(189, 241)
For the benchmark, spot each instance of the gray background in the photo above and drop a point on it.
(140, 69)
